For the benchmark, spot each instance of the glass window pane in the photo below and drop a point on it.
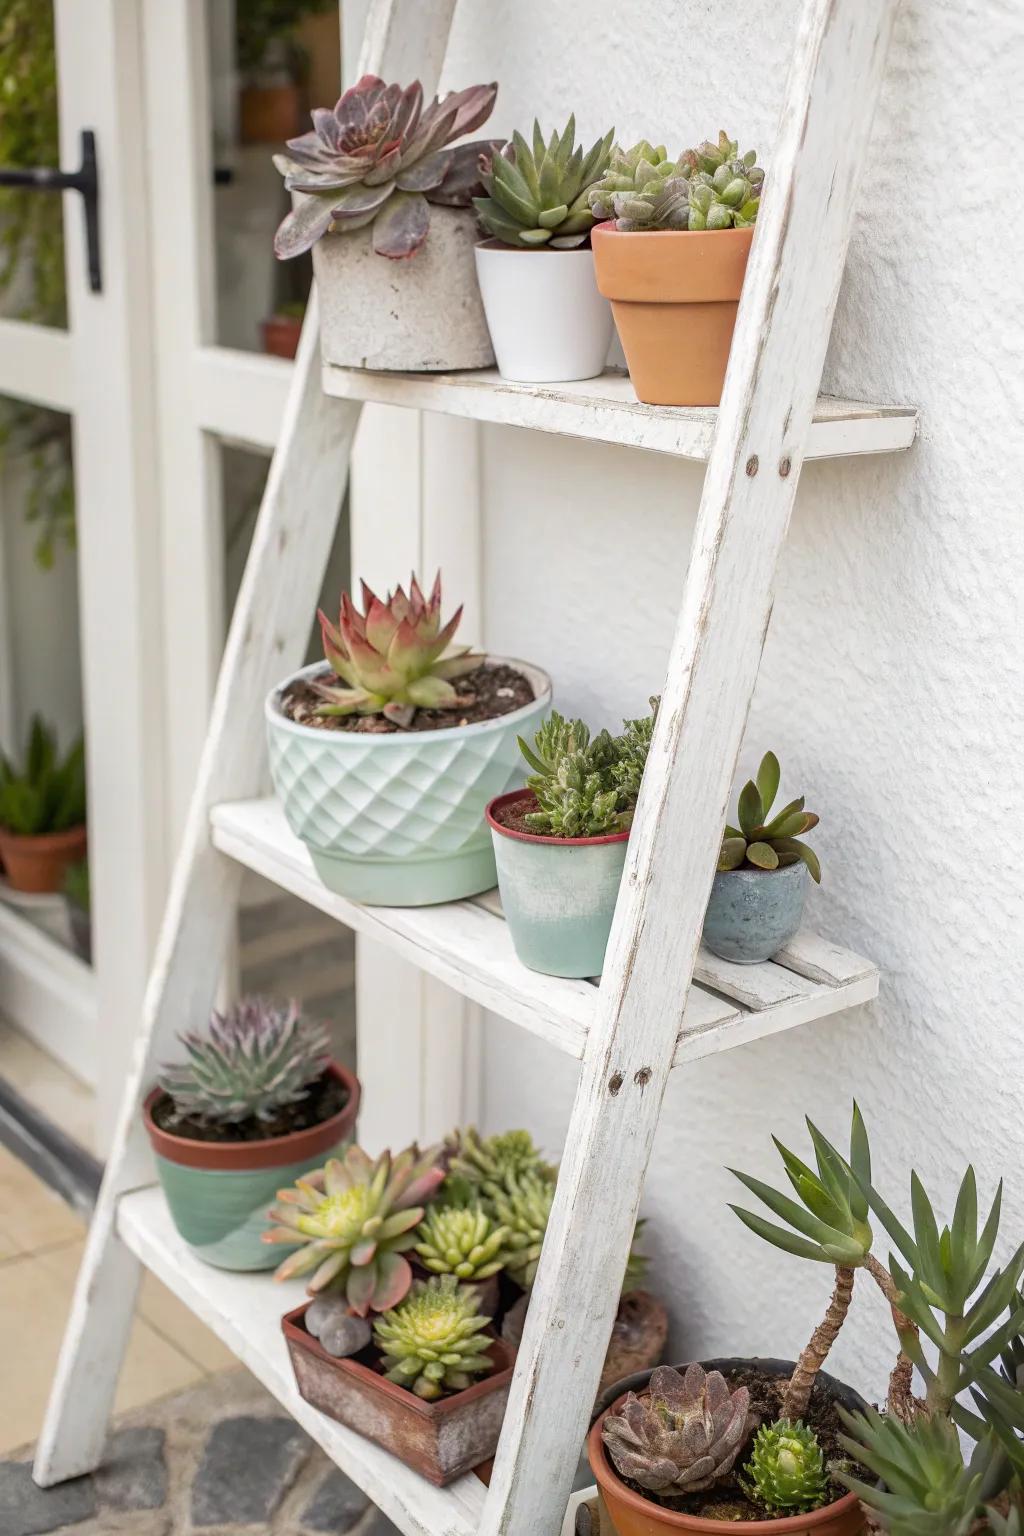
(270, 61)
(31, 225)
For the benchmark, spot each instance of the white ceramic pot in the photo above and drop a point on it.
(421, 315)
(548, 321)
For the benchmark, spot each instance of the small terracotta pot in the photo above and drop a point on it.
(441, 1440)
(269, 114)
(219, 1192)
(674, 297)
(39, 864)
(633, 1515)
(281, 334)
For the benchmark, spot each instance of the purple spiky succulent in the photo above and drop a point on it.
(380, 157)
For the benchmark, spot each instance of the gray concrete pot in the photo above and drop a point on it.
(420, 315)
(754, 912)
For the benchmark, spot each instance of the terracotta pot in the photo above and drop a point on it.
(281, 334)
(674, 296)
(440, 1440)
(638, 1337)
(633, 1515)
(269, 114)
(219, 1192)
(39, 864)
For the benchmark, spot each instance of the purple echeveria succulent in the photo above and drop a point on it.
(380, 157)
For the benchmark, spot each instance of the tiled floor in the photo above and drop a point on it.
(40, 1247)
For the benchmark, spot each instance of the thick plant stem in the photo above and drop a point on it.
(900, 1399)
(801, 1383)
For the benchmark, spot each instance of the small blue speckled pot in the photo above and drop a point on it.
(398, 819)
(754, 912)
(558, 894)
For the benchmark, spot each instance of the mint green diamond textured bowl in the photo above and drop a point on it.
(398, 819)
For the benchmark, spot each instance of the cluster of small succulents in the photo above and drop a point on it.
(356, 1219)
(381, 158)
(585, 786)
(765, 843)
(436, 1341)
(394, 657)
(711, 187)
(253, 1061)
(539, 195)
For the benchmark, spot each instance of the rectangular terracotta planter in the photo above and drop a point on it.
(441, 1440)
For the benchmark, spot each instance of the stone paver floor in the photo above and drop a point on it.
(219, 1459)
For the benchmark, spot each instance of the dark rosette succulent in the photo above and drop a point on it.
(380, 157)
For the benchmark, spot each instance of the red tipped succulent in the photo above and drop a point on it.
(394, 656)
(380, 157)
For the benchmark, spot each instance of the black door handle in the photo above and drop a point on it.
(85, 180)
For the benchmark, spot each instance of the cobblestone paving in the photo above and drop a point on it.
(218, 1460)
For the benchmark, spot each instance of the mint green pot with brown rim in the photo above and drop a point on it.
(558, 893)
(219, 1192)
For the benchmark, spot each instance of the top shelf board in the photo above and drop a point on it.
(606, 410)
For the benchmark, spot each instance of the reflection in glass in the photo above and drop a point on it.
(270, 61)
(31, 225)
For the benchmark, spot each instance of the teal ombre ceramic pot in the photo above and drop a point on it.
(397, 819)
(558, 893)
(754, 912)
(219, 1192)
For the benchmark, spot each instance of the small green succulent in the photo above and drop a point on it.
(463, 1241)
(254, 1059)
(724, 186)
(481, 1163)
(585, 786)
(786, 1471)
(434, 1342)
(523, 1205)
(768, 844)
(540, 195)
(636, 183)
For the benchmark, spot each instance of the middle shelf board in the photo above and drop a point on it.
(467, 945)
(606, 410)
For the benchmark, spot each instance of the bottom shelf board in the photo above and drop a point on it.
(244, 1311)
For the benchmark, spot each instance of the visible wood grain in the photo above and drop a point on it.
(755, 986)
(244, 1311)
(819, 960)
(606, 410)
(782, 332)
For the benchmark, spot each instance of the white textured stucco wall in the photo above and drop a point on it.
(891, 684)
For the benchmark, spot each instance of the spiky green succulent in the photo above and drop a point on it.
(482, 1162)
(683, 1434)
(540, 195)
(786, 1472)
(434, 1342)
(763, 841)
(393, 658)
(254, 1060)
(522, 1204)
(585, 786)
(356, 1219)
(926, 1487)
(45, 792)
(463, 1241)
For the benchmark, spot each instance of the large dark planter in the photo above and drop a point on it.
(219, 1192)
(633, 1515)
(441, 1440)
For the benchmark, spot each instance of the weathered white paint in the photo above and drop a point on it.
(606, 410)
(244, 1311)
(771, 386)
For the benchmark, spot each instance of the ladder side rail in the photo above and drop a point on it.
(267, 638)
(777, 357)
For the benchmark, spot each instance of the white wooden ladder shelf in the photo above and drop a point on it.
(645, 1017)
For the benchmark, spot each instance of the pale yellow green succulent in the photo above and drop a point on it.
(435, 1342)
(463, 1241)
(523, 1204)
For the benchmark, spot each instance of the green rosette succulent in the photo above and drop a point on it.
(522, 1205)
(435, 1343)
(479, 1164)
(786, 1472)
(463, 1241)
(763, 841)
(641, 172)
(540, 195)
(356, 1220)
(724, 186)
